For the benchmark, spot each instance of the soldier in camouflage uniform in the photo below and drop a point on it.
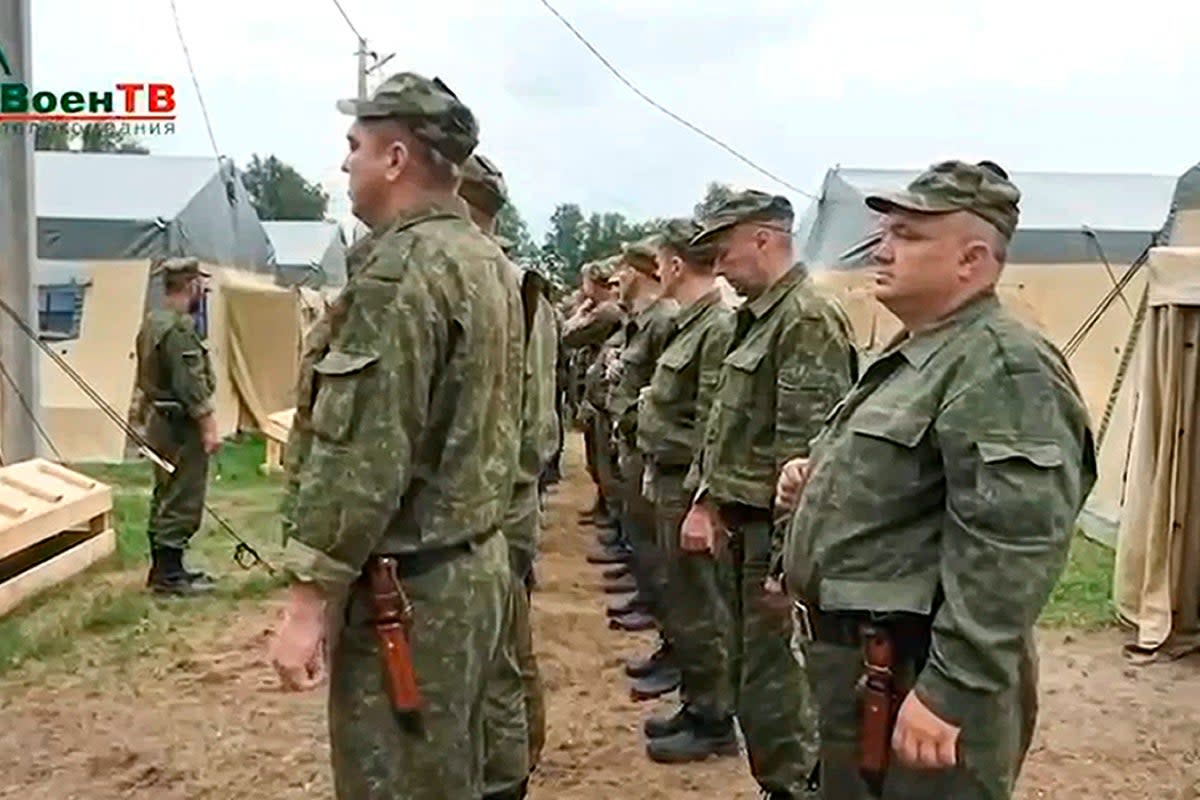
(671, 419)
(939, 502)
(405, 444)
(516, 716)
(790, 360)
(647, 329)
(176, 380)
(593, 332)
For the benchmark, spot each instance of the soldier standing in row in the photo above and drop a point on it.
(406, 448)
(671, 421)
(648, 327)
(516, 718)
(593, 332)
(175, 377)
(790, 361)
(937, 509)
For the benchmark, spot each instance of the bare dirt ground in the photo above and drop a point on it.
(198, 715)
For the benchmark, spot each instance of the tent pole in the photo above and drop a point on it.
(17, 226)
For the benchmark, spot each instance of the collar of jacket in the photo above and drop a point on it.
(918, 349)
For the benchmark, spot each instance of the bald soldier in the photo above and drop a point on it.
(936, 509)
(788, 363)
(405, 454)
(176, 380)
(516, 718)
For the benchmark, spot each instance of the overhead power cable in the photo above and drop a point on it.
(690, 126)
(195, 82)
(346, 17)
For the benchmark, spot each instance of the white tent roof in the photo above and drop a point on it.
(301, 242)
(117, 186)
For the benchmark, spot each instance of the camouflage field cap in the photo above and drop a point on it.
(768, 210)
(183, 267)
(641, 255)
(434, 113)
(601, 271)
(483, 185)
(678, 234)
(983, 189)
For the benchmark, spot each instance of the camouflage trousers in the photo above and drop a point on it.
(696, 619)
(992, 748)
(458, 626)
(515, 711)
(772, 699)
(177, 502)
(639, 527)
(607, 474)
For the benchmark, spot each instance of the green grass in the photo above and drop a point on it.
(110, 600)
(1083, 597)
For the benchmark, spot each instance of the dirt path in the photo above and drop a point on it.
(198, 717)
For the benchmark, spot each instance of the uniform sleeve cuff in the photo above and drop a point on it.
(308, 565)
(950, 701)
(201, 411)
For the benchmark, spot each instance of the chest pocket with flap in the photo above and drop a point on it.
(339, 377)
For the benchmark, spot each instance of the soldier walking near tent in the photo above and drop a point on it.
(936, 510)
(671, 419)
(790, 360)
(175, 377)
(515, 723)
(401, 466)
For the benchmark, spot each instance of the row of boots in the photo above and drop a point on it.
(685, 734)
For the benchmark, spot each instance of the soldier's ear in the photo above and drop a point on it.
(399, 157)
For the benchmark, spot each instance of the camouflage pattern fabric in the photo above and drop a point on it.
(771, 695)
(431, 433)
(947, 485)
(176, 379)
(790, 360)
(434, 113)
(458, 624)
(750, 206)
(697, 620)
(982, 189)
(514, 709)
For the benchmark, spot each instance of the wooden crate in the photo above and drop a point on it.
(279, 425)
(54, 523)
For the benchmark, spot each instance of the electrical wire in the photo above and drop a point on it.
(346, 17)
(29, 410)
(690, 126)
(195, 81)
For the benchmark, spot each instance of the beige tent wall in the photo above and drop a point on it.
(1156, 584)
(103, 355)
(262, 330)
(1053, 299)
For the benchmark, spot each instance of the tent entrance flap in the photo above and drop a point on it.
(1157, 579)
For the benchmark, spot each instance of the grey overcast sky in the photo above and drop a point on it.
(798, 85)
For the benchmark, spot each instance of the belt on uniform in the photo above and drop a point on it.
(844, 628)
(411, 565)
(740, 513)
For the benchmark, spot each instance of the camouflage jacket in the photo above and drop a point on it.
(539, 437)
(672, 412)
(947, 483)
(408, 413)
(646, 335)
(173, 363)
(791, 360)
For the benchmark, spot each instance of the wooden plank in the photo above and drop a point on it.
(66, 476)
(56, 570)
(19, 534)
(31, 489)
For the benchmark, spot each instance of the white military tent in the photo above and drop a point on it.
(101, 219)
(1150, 448)
(308, 253)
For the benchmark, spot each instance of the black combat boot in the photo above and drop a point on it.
(627, 605)
(608, 537)
(699, 739)
(198, 578)
(167, 575)
(659, 726)
(634, 622)
(616, 571)
(516, 793)
(656, 684)
(622, 585)
(613, 554)
(662, 658)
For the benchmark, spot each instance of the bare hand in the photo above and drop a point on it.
(698, 533)
(792, 480)
(210, 440)
(922, 739)
(298, 646)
